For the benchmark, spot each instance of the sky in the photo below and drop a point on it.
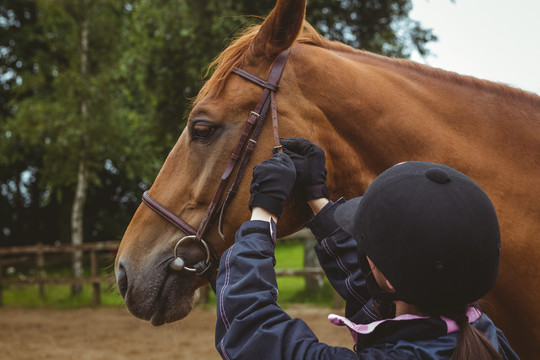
(497, 40)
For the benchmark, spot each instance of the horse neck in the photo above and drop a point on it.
(383, 111)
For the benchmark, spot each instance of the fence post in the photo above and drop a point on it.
(1, 287)
(40, 260)
(313, 282)
(96, 290)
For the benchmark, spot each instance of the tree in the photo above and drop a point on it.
(64, 103)
(380, 26)
(19, 171)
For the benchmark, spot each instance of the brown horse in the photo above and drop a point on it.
(368, 112)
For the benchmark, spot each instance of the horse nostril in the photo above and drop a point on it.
(122, 280)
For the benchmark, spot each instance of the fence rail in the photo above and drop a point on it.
(36, 249)
(38, 252)
(42, 279)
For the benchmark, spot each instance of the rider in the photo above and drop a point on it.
(427, 248)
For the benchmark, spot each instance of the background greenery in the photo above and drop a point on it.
(94, 94)
(146, 60)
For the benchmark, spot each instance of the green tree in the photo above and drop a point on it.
(66, 102)
(380, 26)
(21, 195)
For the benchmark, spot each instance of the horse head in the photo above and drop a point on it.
(191, 173)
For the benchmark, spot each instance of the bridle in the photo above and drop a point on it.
(239, 158)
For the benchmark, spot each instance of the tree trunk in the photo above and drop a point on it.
(77, 212)
(77, 226)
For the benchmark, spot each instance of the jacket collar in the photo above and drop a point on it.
(404, 324)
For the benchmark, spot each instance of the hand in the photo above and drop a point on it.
(309, 161)
(272, 183)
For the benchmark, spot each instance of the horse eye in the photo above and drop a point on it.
(201, 131)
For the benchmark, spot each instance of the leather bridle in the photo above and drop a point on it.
(239, 158)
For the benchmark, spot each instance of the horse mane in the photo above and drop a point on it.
(235, 54)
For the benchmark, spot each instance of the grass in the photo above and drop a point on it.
(289, 255)
(58, 296)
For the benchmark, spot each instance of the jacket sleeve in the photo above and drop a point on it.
(338, 256)
(250, 323)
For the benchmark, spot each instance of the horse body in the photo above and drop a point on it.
(368, 112)
(404, 112)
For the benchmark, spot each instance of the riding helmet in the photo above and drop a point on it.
(431, 230)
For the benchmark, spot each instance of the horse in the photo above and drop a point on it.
(368, 112)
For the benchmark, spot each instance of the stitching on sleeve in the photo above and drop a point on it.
(345, 270)
(225, 285)
(225, 356)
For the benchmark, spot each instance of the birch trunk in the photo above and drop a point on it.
(77, 211)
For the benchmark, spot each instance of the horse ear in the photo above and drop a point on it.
(280, 28)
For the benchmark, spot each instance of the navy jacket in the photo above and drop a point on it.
(251, 324)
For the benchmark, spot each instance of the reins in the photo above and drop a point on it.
(240, 156)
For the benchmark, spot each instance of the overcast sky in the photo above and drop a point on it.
(497, 40)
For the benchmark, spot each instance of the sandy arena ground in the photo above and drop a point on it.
(112, 333)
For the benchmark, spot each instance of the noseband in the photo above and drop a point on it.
(240, 156)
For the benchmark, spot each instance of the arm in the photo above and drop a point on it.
(337, 252)
(337, 255)
(317, 205)
(335, 249)
(250, 323)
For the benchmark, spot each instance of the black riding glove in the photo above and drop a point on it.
(309, 161)
(272, 183)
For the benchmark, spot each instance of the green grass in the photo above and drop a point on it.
(289, 255)
(58, 296)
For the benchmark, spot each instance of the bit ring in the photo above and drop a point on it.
(180, 265)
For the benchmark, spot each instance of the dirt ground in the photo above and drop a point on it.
(113, 333)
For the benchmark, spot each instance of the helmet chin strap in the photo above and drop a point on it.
(383, 299)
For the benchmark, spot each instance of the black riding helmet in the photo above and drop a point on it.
(430, 230)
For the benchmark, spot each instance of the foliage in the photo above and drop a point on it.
(44, 133)
(147, 59)
(381, 26)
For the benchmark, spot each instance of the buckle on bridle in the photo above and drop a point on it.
(276, 149)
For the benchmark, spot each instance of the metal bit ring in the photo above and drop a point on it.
(178, 263)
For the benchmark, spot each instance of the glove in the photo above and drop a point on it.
(309, 161)
(272, 183)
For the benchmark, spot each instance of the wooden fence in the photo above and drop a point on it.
(8, 257)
